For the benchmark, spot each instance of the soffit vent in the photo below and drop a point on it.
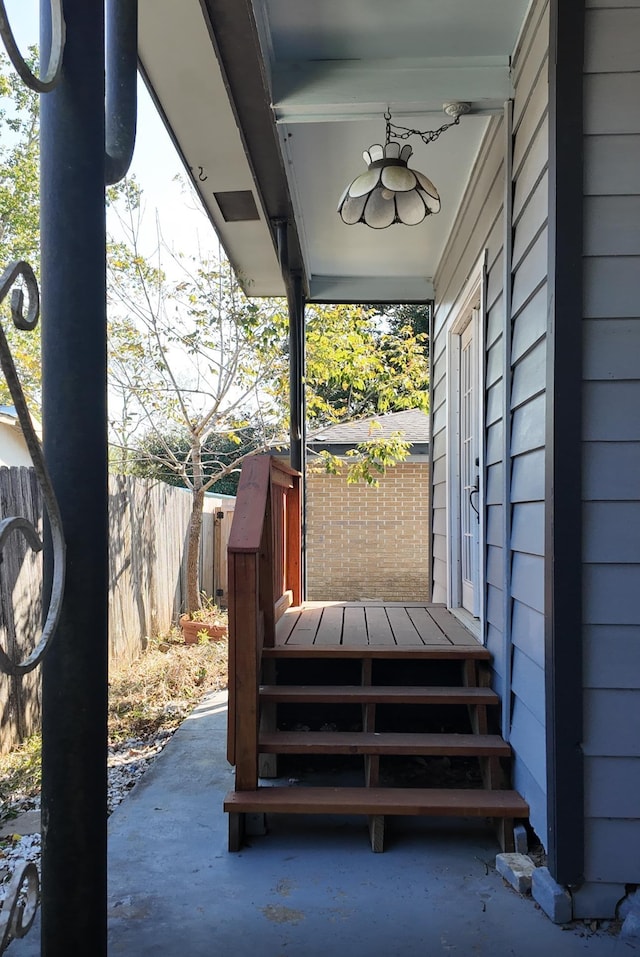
(237, 205)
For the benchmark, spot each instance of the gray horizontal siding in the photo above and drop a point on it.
(611, 411)
(528, 632)
(611, 597)
(612, 787)
(611, 722)
(495, 617)
(531, 325)
(612, 166)
(527, 528)
(494, 483)
(526, 783)
(611, 287)
(612, 347)
(611, 447)
(611, 656)
(612, 225)
(612, 472)
(528, 742)
(528, 426)
(478, 226)
(612, 850)
(495, 525)
(527, 684)
(529, 270)
(527, 580)
(527, 477)
(611, 532)
(611, 41)
(529, 376)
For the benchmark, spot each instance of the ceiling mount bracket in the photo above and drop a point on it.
(456, 109)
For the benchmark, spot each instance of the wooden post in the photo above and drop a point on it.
(247, 638)
(265, 576)
(293, 571)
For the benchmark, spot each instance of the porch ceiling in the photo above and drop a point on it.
(280, 97)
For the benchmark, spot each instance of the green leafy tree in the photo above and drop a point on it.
(219, 453)
(354, 368)
(190, 357)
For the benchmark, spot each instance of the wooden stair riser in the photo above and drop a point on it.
(363, 742)
(373, 801)
(378, 694)
(416, 802)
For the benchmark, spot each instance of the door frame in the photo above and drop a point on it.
(473, 295)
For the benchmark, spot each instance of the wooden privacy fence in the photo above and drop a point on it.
(264, 580)
(148, 524)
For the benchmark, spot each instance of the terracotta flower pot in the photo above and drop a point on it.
(191, 630)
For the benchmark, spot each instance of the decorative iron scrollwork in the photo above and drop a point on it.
(20, 904)
(41, 84)
(29, 321)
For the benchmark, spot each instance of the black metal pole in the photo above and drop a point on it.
(298, 397)
(74, 847)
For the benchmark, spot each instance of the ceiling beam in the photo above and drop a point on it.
(329, 90)
(370, 289)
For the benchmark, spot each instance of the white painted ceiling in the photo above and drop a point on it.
(331, 68)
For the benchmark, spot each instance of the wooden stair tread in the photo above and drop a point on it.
(440, 802)
(390, 742)
(421, 652)
(380, 694)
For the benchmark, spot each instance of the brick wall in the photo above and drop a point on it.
(367, 542)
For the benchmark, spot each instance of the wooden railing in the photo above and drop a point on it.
(264, 558)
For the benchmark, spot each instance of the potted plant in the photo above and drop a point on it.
(206, 621)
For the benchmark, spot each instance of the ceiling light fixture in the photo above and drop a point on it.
(389, 192)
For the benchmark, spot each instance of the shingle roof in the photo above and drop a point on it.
(413, 422)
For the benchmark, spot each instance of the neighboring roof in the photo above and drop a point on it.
(412, 422)
(9, 416)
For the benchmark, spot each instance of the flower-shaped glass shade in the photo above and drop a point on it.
(388, 192)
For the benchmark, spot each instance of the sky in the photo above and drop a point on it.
(155, 162)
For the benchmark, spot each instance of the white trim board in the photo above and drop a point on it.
(472, 295)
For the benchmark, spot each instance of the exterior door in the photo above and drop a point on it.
(469, 469)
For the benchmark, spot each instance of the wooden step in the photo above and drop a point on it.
(433, 802)
(368, 742)
(378, 694)
(394, 652)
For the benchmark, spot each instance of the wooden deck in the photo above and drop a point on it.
(372, 628)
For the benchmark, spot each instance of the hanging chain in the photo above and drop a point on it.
(403, 132)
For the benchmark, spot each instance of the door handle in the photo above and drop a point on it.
(474, 491)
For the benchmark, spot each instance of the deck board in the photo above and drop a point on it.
(354, 629)
(379, 631)
(306, 627)
(375, 626)
(426, 627)
(330, 628)
(404, 631)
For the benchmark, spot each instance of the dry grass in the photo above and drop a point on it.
(155, 692)
(160, 688)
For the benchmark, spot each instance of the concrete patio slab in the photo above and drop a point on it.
(311, 887)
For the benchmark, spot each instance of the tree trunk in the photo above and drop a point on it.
(195, 530)
(193, 551)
